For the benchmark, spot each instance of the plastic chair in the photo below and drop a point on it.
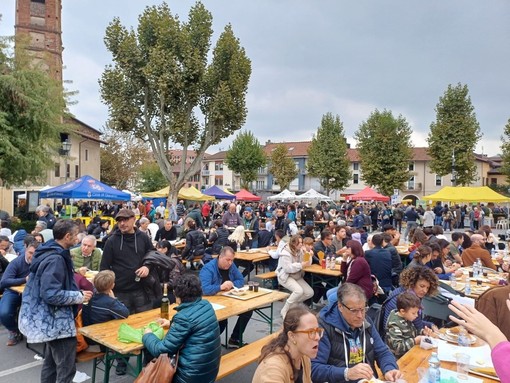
(502, 224)
(153, 229)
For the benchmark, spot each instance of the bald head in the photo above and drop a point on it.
(477, 239)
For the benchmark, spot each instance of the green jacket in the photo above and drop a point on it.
(400, 334)
(91, 262)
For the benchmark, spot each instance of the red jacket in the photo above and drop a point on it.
(206, 209)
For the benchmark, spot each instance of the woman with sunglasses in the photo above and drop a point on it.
(286, 359)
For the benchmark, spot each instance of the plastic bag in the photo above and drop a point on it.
(128, 334)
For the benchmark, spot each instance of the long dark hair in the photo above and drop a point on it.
(290, 323)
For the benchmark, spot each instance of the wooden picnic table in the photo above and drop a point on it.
(19, 289)
(319, 276)
(418, 357)
(225, 307)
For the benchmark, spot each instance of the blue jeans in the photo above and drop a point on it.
(9, 305)
(59, 361)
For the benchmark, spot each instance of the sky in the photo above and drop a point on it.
(314, 57)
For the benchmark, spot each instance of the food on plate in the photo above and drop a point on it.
(485, 370)
(238, 292)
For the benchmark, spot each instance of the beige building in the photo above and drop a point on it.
(422, 181)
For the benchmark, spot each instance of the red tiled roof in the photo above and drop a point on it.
(296, 148)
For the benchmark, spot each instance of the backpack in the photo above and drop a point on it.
(92, 227)
(176, 272)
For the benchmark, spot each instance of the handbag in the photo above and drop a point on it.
(159, 370)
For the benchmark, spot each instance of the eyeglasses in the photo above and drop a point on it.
(355, 311)
(312, 333)
(329, 238)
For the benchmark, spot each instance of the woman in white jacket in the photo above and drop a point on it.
(290, 274)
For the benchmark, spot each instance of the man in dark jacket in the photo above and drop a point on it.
(168, 232)
(218, 237)
(123, 254)
(51, 292)
(380, 262)
(44, 214)
(196, 215)
(351, 344)
(16, 274)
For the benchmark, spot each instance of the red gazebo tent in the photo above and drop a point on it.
(368, 194)
(245, 195)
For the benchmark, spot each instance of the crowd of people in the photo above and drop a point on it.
(341, 343)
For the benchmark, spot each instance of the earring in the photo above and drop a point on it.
(294, 342)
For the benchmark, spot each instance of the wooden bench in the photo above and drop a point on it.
(86, 356)
(242, 357)
(266, 276)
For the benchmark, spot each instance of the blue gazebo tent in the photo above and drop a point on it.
(85, 187)
(215, 191)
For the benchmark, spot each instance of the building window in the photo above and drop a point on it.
(494, 181)
(355, 179)
(410, 183)
(86, 154)
(39, 1)
(57, 170)
(68, 171)
(218, 166)
(76, 171)
(439, 181)
(206, 181)
(411, 166)
(355, 166)
(218, 181)
(261, 185)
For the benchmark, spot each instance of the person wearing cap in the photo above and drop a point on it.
(251, 222)
(123, 254)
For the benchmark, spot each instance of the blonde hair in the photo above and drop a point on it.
(104, 281)
(238, 235)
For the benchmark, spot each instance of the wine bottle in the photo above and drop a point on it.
(164, 302)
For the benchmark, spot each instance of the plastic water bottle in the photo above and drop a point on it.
(238, 247)
(332, 262)
(467, 289)
(328, 262)
(434, 375)
(453, 280)
(493, 253)
(463, 339)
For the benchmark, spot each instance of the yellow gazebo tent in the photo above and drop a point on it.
(191, 193)
(466, 194)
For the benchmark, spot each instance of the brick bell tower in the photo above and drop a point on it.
(38, 22)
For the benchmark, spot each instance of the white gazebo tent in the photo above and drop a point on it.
(283, 196)
(313, 195)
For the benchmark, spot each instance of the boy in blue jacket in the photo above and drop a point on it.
(221, 274)
(103, 306)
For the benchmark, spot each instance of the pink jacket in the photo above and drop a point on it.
(500, 360)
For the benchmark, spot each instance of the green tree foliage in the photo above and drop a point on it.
(505, 151)
(282, 167)
(161, 83)
(150, 177)
(327, 154)
(454, 135)
(31, 109)
(122, 158)
(385, 150)
(245, 157)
